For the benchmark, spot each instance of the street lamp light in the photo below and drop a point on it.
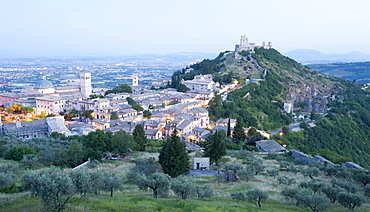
(281, 135)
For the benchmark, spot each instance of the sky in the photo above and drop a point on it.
(168, 26)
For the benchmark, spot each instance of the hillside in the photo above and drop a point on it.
(129, 197)
(344, 131)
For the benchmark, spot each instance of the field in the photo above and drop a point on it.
(130, 198)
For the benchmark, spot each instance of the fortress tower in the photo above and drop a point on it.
(85, 84)
(135, 80)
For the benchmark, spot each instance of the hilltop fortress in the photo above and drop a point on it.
(245, 46)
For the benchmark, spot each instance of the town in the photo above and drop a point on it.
(169, 109)
(74, 107)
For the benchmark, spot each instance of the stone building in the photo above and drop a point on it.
(49, 104)
(202, 83)
(246, 46)
(35, 129)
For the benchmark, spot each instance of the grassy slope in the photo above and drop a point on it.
(130, 198)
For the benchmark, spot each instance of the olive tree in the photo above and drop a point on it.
(111, 182)
(6, 179)
(286, 180)
(367, 191)
(311, 172)
(234, 167)
(272, 172)
(349, 200)
(256, 164)
(239, 196)
(256, 196)
(305, 197)
(158, 182)
(184, 187)
(312, 185)
(347, 185)
(82, 183)
(96, 180)
(331, 192)
(52, 185)
(220, 177)
(29, 160)
(362, 176)
(205, 191)
(246, 174)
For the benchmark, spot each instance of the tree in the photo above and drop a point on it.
(214, 147)
(256, 164)
(137, 107)
(122, 143)
(362, 176)
(182, 88)
(81, 181)
(246, 174)
(239, 132)
(52, 185)
(29, 160)
(347, 185)
(17, 153)
(220, 177)
(314, 116)
(173, 157)
(311, 172)
(315, 202)
(114, 116)
(123, 88)
(367, 191)
(312, 185)
(110, 182)
(143, 166)
(239, 196)
(139, 137)
(205, 191)
(9, 167)
(349, 200)
(88, 114)
(158, 182)
(74, 155)
(184, 187)
(285, 130)
(216, 107)
(251, 131)
(147, 114)
(234, 167)
(273, 172)
(286, 180)
(228, 133)
(96, 180)
(331, 192)
(256, 196)
(130, 101)
(6, 179)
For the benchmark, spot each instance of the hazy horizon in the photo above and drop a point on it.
(165, 27)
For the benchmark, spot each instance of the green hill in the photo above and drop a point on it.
(344, 131)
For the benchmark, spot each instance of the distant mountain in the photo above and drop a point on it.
(309, 56)
(358, 72)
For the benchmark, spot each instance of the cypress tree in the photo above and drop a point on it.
(215, 147)
(239, 133)
(139, 136)
(228, 134)
(174, 158)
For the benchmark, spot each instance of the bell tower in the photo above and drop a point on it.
(85, 84)
(135, 80)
